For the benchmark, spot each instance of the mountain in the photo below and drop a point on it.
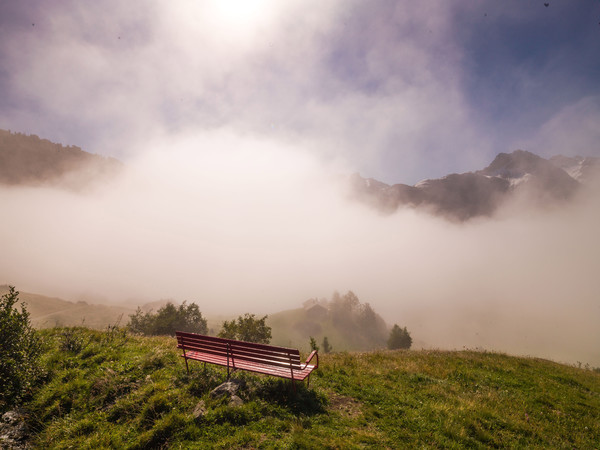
(473, 194)
(27, 160)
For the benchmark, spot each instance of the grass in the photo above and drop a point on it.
(114, 390)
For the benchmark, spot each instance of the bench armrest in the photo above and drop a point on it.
(313, 354)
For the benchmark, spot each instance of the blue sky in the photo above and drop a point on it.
(398, 91)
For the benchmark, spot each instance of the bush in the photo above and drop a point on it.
(399, 338)
(19, 353)
(247, 328)
(326, 345)
(168, 320)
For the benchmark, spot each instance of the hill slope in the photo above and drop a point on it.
(29, 160)
(348, 324)
(121, 391)
(47, 312)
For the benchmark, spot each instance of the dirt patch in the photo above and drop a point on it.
(346, 406)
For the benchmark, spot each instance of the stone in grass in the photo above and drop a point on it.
(228, 388)
(235, 401)
(200, 410)
(13, 430)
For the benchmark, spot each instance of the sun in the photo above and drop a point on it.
(241, 16)
(233, 23)
(240, 11)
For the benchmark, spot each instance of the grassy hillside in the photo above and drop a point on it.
(114, 390)
(294, 327)
(46, 312)
(290, 328)
(29, 160)
(348, 324)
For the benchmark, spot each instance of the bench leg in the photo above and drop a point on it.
(186, 366)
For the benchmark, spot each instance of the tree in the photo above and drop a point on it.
(247, 328)
(399, 338)
(168, 320)
(326, 347)
(19, 353)
(313, 344)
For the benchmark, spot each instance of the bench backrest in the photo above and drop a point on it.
(262, 354)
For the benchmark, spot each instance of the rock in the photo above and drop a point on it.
(228, 388)
(199, 410)
(12, 417)
(13, 430)
(235, 401)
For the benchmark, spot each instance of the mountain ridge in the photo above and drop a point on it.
(464, 196)
(27, 160)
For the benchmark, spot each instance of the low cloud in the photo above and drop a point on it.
(239, 223)
(571, 131)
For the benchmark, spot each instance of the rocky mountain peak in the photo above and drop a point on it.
(472, 194)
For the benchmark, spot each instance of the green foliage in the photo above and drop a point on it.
(326, 346)
(19, 352)
(247, 328)
(357, 323)
(72, 340)
(313, 344)
(399, 338)
(169, 319)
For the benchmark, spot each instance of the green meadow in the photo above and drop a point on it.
(112, 389)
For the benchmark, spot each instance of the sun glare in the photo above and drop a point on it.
(240, 16)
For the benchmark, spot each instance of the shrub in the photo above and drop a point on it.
(72, 341)
(326, 345)
(247, 328)
(169, 319)
(399, 338)
(19, 353)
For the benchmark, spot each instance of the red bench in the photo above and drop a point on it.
(267, 359)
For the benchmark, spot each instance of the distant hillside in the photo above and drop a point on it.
(48, 312)
(473, 194)
(29, 160)
(347, 323)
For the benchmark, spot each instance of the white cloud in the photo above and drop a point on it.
(573, 130)
(188, 66)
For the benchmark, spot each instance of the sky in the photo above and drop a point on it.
(237, 123)
(395, 90)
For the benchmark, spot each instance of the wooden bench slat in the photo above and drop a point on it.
(250, 358)
(261, 358)
(245, 351)
(223, 340)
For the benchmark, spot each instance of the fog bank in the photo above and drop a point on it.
(240, 224)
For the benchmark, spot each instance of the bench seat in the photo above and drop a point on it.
(239, 355)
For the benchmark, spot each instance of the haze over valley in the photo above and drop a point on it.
(225, 230)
